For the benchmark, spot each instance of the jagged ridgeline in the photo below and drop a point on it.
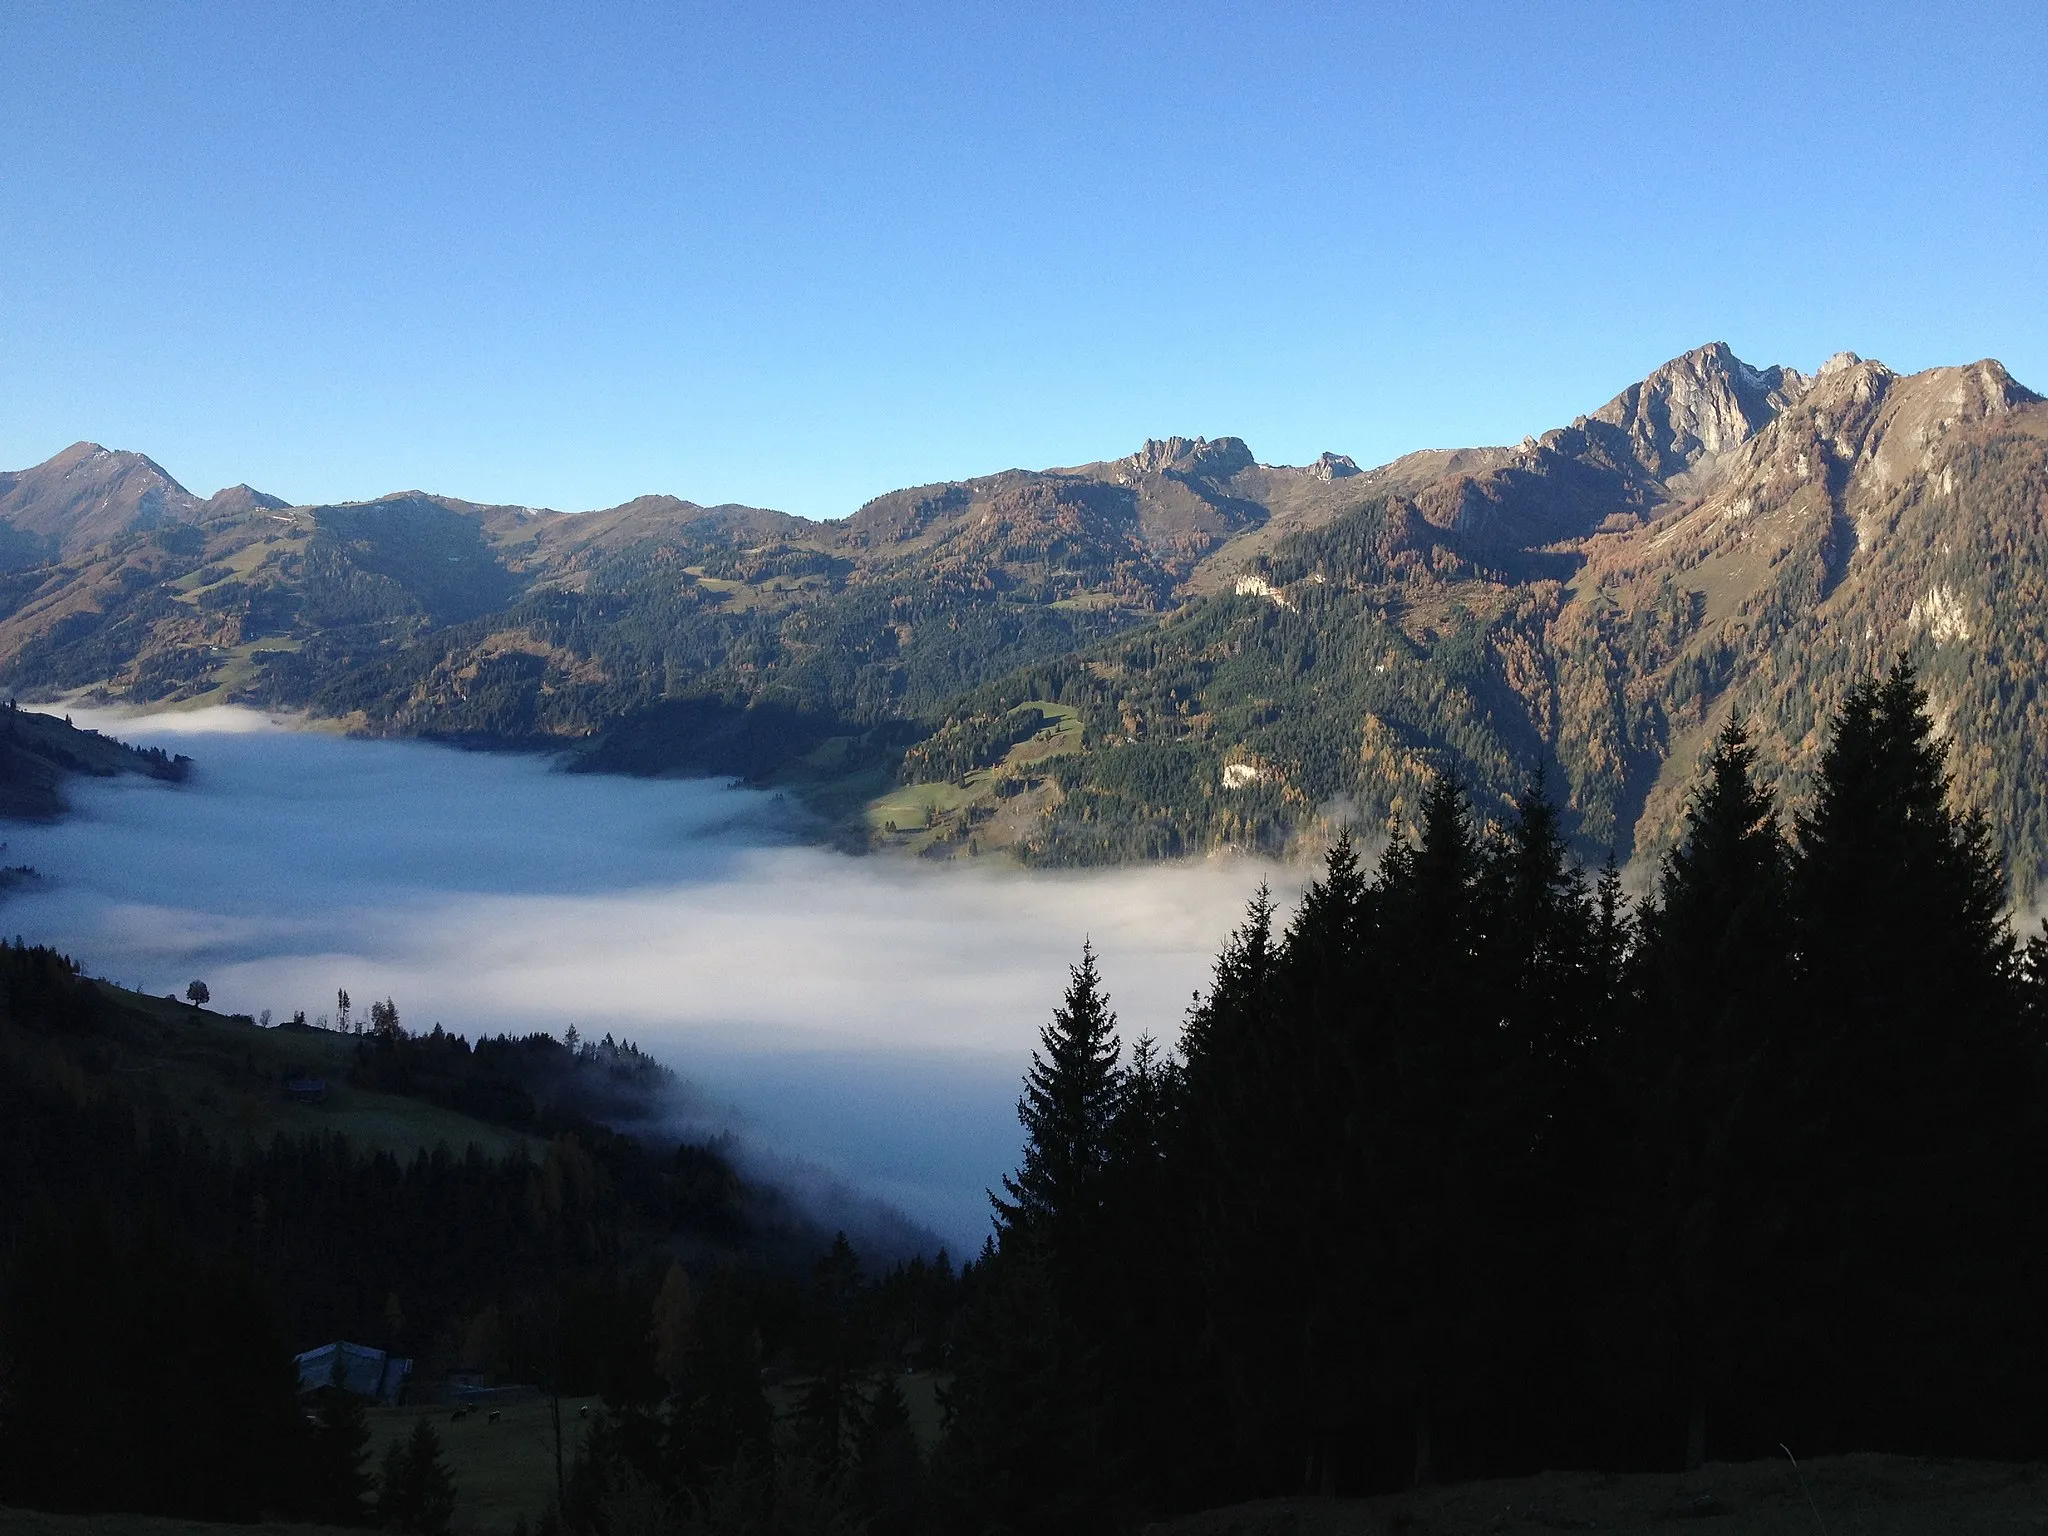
(1220, 652)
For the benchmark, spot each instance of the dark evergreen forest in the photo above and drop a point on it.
(1469, 1166)
(1476, 1168)
(155, 1281)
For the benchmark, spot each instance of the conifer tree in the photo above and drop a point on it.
(1067, 1111)
(416, 1494)
(1900, 898)
(1713, 967)
(1433, 1079)
(830, 1410)
(1546, 1140)
(889, 1467)
(336, 1481)
(1328, 927)
(1028, 1402)
(1615, 929)
(1218, 1020)
(718, 1416)
(1024, 1447)
(1295, 1209)
(2034, 988)
(1538, 927)
(1152, 1301)
(1229, 1178)
(1910, 1039)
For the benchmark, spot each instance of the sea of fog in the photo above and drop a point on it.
(868, 1016)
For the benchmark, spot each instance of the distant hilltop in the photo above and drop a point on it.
(1220, 652)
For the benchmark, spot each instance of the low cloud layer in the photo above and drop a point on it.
(873, 1015)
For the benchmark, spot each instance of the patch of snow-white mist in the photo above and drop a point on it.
(872, 1016)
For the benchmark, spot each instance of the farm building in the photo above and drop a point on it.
(357, 1368)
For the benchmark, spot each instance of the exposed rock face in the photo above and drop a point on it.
(1875, 514)
(1333, 466)
(1697, 407)
(1214, 460)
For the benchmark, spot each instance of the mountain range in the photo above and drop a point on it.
(1158, 655)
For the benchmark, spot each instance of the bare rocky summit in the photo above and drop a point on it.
(1697, 407)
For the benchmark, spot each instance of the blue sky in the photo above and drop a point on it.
(798, 256)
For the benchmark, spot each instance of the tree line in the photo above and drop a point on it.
(1476, 1166)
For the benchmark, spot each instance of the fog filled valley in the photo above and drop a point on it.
(869, 1017)
(1463, 1161)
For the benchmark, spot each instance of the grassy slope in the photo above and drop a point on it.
(507, 1469)
(936, 819)
(504, 1469)
(227, 1076)
(1866, 1494)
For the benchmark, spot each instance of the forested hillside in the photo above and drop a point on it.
(1470, 1167)
(1224, 653)
(186, 1200)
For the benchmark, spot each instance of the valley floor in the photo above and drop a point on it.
(1858, 1495)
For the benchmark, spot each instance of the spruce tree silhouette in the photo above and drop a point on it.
(1234, 1203)
(1027, 1403)
(2033, 978)
(1068, 1107)
(830, 1411)
(888, 1467)
(1712, 965)
(416, 1494)
(1435, 1079)
(335, 1478)
(1900, 897)
(1301, 1215)
(1536, 920)
(1910, 1043)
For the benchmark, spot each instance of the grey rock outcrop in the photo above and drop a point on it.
(1698, 406)
(1213, 459)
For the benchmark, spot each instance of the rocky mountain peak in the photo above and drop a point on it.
(1999, 389)
(1332, 466)
(90, 463)
(1698, 406)
(1214, 459)
(87, 494)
